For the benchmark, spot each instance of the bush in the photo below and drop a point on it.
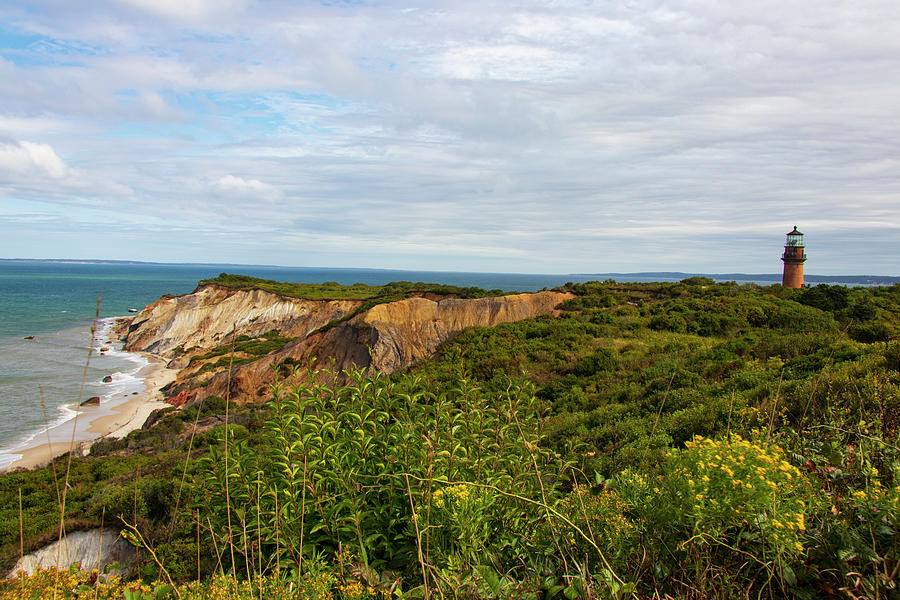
(603, 359)
(346, 476)
(802, 319)
(869, 333)
(892, 355)
(717, 502)
(826, 297)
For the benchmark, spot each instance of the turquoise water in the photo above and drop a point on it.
(56, 304)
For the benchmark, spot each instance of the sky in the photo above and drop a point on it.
(529, 137)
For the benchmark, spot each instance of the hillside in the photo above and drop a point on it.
(691, 439)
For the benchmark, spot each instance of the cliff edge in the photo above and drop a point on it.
(337, 334)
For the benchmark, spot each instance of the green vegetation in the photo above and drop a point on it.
(247, 348)
(244, 344)
(358, 291)
(685, 440)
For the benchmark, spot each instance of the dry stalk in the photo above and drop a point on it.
(212, 536)
(775, 406)
(658, 415)
(187, 461)
(21, 529)
(197, 517)
(415, 521)
(259, 535)
(62, 502)
(227, 486)
(99, 551)
(537, 474)
(133, 531)
(50, 446)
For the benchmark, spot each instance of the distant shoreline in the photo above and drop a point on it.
(676, 275)
(663, 275)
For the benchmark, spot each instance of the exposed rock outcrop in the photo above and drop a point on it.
(93, 549)
(204, 319)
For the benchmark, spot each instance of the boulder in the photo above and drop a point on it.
(92, 401)
(107, 379)
(83, 548)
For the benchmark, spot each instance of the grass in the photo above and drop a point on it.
(250, 347)
(330, 290)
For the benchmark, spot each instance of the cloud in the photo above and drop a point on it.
(30, 159)
(238, 187)
(470, 135)
(184, 8)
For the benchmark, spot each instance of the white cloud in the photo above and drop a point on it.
(184, 8)
(524, 134)
(238, 187)
(30, 159)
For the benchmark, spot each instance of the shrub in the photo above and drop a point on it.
(586, 520)
(717, 502)
(869, 332)
(603, 359)
(346, 465)
(826, 297)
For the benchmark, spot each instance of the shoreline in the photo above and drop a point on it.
(115, 421)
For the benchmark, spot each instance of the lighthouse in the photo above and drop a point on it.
(794, 256)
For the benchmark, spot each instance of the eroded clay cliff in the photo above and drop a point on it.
(204, 319)
(387, 337)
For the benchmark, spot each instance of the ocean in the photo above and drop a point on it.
(56, 304)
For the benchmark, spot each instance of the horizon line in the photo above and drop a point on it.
(667, 274)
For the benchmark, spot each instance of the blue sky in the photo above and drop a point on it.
(558, 137)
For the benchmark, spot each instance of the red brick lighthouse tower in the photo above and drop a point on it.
(794, 256)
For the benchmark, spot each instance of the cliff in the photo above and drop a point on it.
(204, 319)
(386, 337)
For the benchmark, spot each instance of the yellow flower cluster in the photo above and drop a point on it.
(74, 584)
(71, 583)
(455, 494)
(630, 477)
(739, 483)
(878, 496)
(355, 590)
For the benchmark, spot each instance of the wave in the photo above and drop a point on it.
(125, 382)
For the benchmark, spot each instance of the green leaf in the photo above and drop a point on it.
(788, 575)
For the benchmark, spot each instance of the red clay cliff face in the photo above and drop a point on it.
(386, 337)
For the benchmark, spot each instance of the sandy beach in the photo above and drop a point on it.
(116, 422)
